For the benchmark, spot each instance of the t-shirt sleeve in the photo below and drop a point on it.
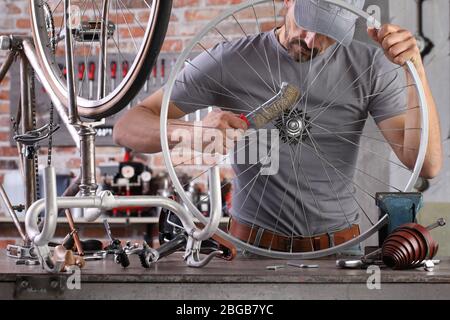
(389, 92)
(199, 83)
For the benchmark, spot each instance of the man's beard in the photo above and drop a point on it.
(299, 51)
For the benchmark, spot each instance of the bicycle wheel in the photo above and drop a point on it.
(333, 161)
(132, 39)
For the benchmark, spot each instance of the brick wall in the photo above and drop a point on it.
(188, 17)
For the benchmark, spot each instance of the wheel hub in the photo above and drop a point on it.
(293, 126)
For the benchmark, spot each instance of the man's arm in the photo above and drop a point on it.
(400, 46)
(139, 128)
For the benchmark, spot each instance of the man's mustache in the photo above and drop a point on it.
(313, 52)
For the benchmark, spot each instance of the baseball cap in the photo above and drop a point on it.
(328, 19)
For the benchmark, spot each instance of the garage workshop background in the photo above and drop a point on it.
(188, 17)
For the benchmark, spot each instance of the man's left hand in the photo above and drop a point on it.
(399, 44)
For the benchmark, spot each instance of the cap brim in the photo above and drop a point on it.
(313, 18)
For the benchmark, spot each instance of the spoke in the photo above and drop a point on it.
(373, 117)
(361, 131)
(320, 105)
(345, 90)
(357, 145)
(329, 179)
(264, 47)
(129, 30)
(229, 73)
(218, 163)
(337, 170)
(257, 52)
(232, 179)
(247, 63)
(310, 67)
(220, 85)
(326, 63)
(371, 138)
(134, 16)
(57, 5)
(278, 49)
(209, 90)
(149, 6)
(298, 191)
(251, 188)
(207, 106)
(363, 172)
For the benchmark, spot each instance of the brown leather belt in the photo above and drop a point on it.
(267, 239)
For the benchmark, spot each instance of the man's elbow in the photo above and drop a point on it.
(431, 170)
(118, 133)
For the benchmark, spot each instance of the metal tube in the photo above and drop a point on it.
(12, 213)
(26, 124)
(88, 185)
(104, 201)
(215, 204)
(72, 98)
(7, 64)
(30, 53)
(103, 52)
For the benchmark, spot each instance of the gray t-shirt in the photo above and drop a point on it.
(311, 193)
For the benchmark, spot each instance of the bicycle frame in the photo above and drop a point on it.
(83, 134)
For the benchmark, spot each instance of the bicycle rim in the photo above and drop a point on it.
(135, 34)
(404, 184)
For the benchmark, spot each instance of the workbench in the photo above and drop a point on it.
(243, 278)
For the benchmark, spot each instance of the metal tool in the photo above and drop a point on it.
(113, 70)
(154, 74)
(283, 101)
(303, 266)
(275, 268)
(350, 264)
(81, 72)
(91, 78)
(125, 67)
(439, 223)
(163, 71)
(115, 247)
(146, 84)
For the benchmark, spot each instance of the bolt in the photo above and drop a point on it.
(439, 223)
(54, 284)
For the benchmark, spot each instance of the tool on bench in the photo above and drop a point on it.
(275, 268)
(115, 248)
(283, 101)
(303, 266)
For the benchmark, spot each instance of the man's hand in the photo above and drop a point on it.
(399, 44)
(218, 132)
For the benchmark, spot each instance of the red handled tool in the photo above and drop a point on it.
(91, 78)
(81, 71)
(163, 71)
(113, 71)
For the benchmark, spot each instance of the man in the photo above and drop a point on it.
(341, 82)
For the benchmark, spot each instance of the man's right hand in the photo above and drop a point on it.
(218, 131)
